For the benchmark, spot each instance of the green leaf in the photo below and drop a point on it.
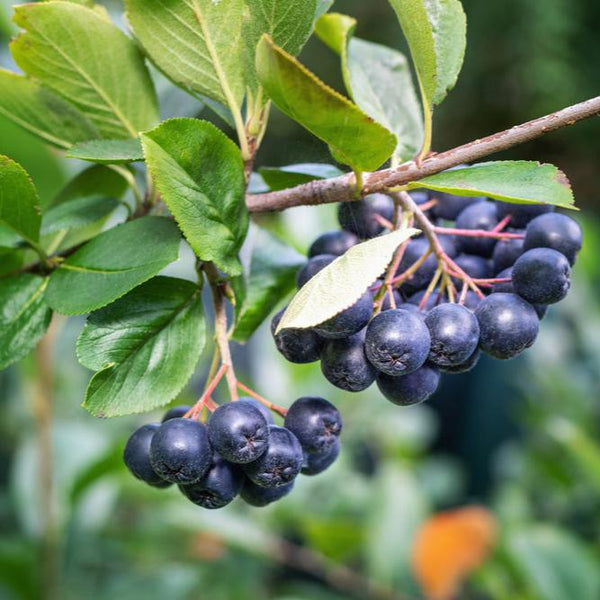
(11, 260)
(281, 178)
(108, 151)
(198, 44)
(19, 201)
(112, 264)
(554, 564)
(436, 34)
(354, 138)
(289, 24)
(92, 182)
(271, 277)
(379, 81)
(340, 284)
(77, 213)
(200, 175)
(24, 317)
(145, 347)
(90, 62)
(42, 112)
(517, 181)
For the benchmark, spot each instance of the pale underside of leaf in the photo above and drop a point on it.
(339, 285)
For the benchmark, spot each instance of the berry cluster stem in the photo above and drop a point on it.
(280, 410)
(449, 267)
(221, 334)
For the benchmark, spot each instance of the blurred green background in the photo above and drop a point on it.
(521, 437)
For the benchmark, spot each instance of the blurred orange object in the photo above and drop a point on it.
(448, 546)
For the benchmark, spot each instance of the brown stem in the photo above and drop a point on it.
(280, 410)
(218, 295)
(342, 189)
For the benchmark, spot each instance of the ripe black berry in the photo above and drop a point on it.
(312, 267)
(180, 451)
(508, 325)
(410, 389)
(556, 231)
(397, 342)
(315, 463)
(239, 432)
(176, 412)
(349, 321)
(296, 345)
(474, 266)
(480, 215)
(465, 366)
(360, 217)
(267, 414)
(218, 487)
(137, 456)
(448, 206)
(521, 214)
(506, 253)
(507, 287)
(281, 463)
(542, 276)
(333, 242)
(256, 495)
(315, 422)
(345, 365)
(454, 334)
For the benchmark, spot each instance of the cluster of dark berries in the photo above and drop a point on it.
(500, 289)
(240, 451)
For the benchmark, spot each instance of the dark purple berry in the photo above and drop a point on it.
(521, 214)
(239, 432)
(220, 485)
(296, 345)
(256, 495)
(312, 267)
(333, 242)
(508, 325)
(349, 321)
(360, 216)
(137, 456)
(315, 463)
(397, 342)
(410, 389)
(542, 276)
(555, 231)
(315, 422)
(180, 451)
(280, 464)
(480, 215)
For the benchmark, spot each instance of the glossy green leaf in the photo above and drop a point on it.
(19, 201)
(270, 277)
(108, 151)
(196, 43)
(340, 284)
(289, 24)
(90, 62)
(281, 178)
(24, 317)
(517, 181)
(200, 175)
(93, 181)
(145, 347)
(42, 112)
(436, 34)
(112, 264)
(553, 564)
(353, 137)
(378, 79)
(77, 213)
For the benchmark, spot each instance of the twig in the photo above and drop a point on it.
(342, 189)
(274, 407)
